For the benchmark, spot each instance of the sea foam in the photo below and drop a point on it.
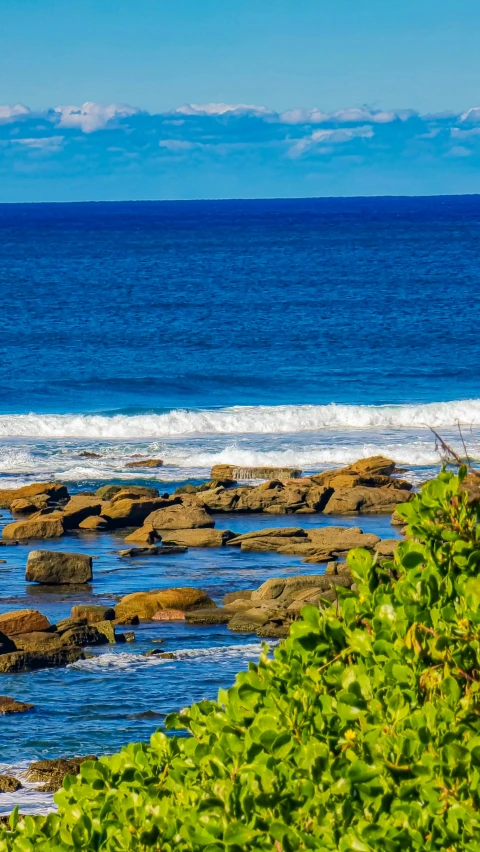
(259, 419)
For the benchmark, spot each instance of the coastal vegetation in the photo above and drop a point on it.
(361, 733)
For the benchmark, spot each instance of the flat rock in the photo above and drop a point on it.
(271, 532)
(146, 463)
(80, 507)
(51, 567)
(196, 537)
(163, 550)
(214, 615)
(108, 492)
(94, 523)
(387, 546)
(180, 517)
(228, 471)
(169, 615)
(41, 527)
(23, 621)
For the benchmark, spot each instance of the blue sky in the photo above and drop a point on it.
(312, 97)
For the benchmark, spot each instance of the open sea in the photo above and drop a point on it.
(301, 332)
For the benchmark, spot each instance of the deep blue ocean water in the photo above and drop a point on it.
(305, 332)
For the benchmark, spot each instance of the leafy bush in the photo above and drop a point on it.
(363, 732)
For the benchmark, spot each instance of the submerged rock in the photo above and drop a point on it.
(51, 567)
(146, 463)
(166, 550)
(11, 705)
(27, 661)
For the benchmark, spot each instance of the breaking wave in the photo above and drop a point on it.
(124, 661)
(239, 420)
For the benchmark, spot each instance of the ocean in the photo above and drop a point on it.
(302, 332)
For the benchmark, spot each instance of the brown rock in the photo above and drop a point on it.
(169, 615)
(271, 532)
(144, 535)
(93, 613)
(264, 545)
(27, 661)
(94, 523)
(214, 615)
(80, 507)
(10, 705)
(110, 492)
(44, 527)
(23, 621)
(363, 500)
(196, 537)
(51, 773)
(235, 596)
(250, 620)
(152, 550)
(180, 517)
(129, 513)
(8, 784)
(52, 489)
(146, 463)
(146, 604)
(54, 568)
(387, 547)
(227, 471)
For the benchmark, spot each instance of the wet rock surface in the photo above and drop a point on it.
(56, 568)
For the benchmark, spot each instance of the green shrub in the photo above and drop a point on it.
(363, 732)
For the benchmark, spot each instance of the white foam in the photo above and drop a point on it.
(134, 662)
(30, 799)
(259, 419)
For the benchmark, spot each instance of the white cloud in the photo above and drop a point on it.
(329, 137)
(343, 116)
(92, 116)
(45, 143)
(221, 109)
(8, 112)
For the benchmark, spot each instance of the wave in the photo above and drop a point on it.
(124, 661)
(259, 419)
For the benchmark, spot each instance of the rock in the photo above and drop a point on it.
(54, 568)
(146, 463)
(10, 705)
(169, 615)
(93, 613)
(387, 547)
(8, 784)
(164, 550)
(23, 621)
(250, 620)
(22, 506)
(164, 655)
(94, 523)
(228, 471)
(144, 535)
(107, 630)
(129, 636)
(275, 532)
(285, 590)
(80, 507)
(53, 490)
(180, 517)
(6, 644)
(397, 521)
(126, 512)
(146, 604)
(86, 454)
(8, 543)
(264, 545)
(273, 630)
(328, 541)
(133, 492)
(43, 527)
(364, 500)
(214, 615)
(196, 537)
(27, 661)
(51, 773)
(245, 595)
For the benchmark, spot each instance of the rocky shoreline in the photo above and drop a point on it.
(154, 524)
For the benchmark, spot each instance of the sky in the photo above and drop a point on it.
(114, 99)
